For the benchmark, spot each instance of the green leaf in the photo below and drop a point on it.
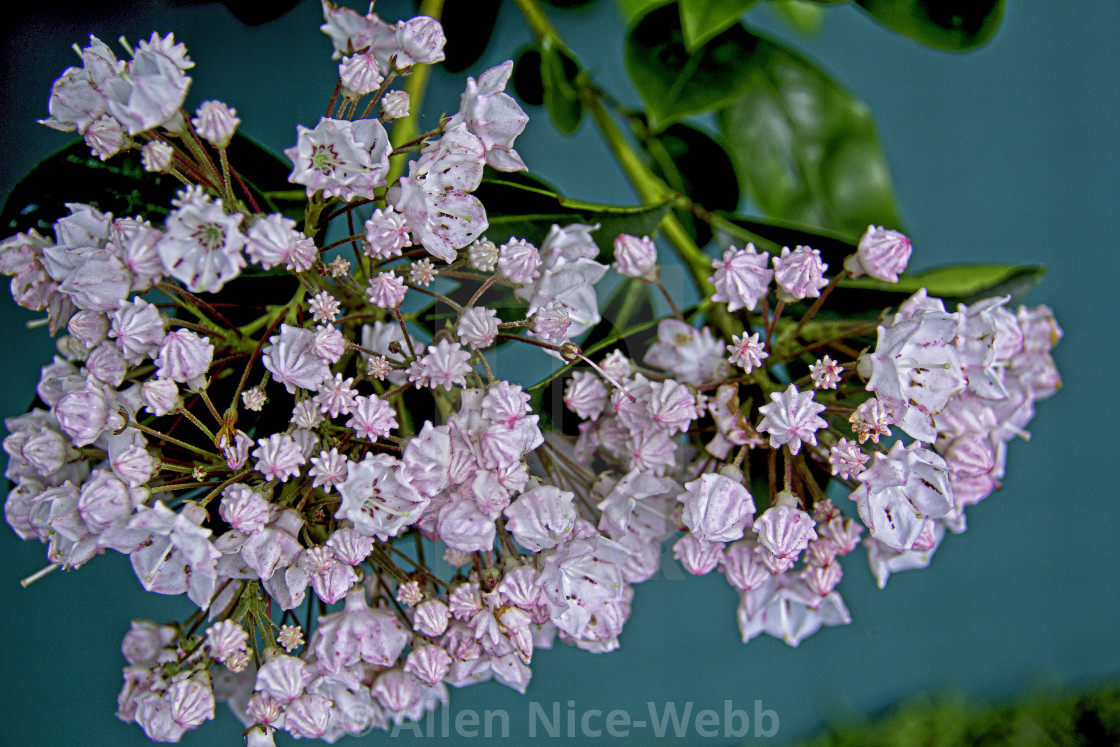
(960, 283)
(806, 148)
(469, 27)
(951, 25)
(702, 20)
(674, 82)
(635, 9)
(771, 236)
(559, 70)
(693, 163)
(804, 17)
(521, 206)
(122, 187)
(527, 81)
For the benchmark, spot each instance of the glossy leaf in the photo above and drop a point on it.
(523, 207)
(469, 27)
(960, 283)
(806, 148)
(674, 82)
(122, 187)
(770, 236)
(632, 10)
(558, 75)
(692, 163)
(804, 17)
(702, 20)
(258, 14)
(527, 82)
(952, 25)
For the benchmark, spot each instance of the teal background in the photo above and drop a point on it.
(1007, 154)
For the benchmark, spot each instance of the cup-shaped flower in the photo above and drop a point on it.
(717, 508)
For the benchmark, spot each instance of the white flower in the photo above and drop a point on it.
(790, 418)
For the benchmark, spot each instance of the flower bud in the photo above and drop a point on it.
(636, 258)
(882, 254)
(215, 122)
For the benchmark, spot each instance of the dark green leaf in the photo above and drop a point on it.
(632, 10)
(692, 163)
(952, 25)
(959, 283)
(805, 148)
(702, 20)
(523, 207)
(254, 13)
(122, 187)
(558, 75)
(771, 236)
(469, 27)
(674, 82)
(527, 83)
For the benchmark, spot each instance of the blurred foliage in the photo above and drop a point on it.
(1087, 721)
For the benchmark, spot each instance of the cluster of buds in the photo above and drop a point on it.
(291, 463)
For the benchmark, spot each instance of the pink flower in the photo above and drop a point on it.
(360, 74)
(882, 254)
(292, 361)
(224, 638)
(372, 417)
(328, 469)
(202, 244)
(324, 307)
(184, 357)
(916, 369)
(871, 421)
(519, 261)
(541, 517)
(741, 278)
(586, 395)
(420, 40)
(435, 196)
(273, 240)
(747, 352)
(493, 116)
(697, 556)
(826, 373)
(394, 105)
(800, 273)
(445, 364)
(847, 459)
(243, 508)
(278, 457)
(340, 157)
(478, 326)
(636, 258)
(386, 233)
(900, 491)
(336, 396)
(716, 508)
(358, 634)
(386, 290)
(378, 498)
(791, 418)
(153, 90)
(215, 122)
(784, 529)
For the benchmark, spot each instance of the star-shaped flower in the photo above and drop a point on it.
(792, 417)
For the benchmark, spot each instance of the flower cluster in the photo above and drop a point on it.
(308, 449)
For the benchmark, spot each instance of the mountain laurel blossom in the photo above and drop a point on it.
(278, 405)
